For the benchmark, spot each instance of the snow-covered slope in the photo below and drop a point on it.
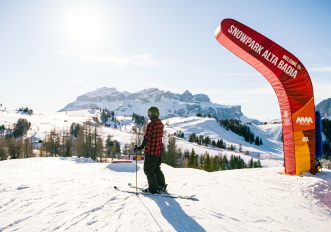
(57, 194)
(210, 127)
(42, 122)
(170, 104)
(270, 153)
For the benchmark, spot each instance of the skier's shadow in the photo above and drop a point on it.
(175, 215)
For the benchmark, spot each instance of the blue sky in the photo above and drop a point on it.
(53, 51)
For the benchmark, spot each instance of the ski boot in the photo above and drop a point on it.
(162, 189)
(152, 191)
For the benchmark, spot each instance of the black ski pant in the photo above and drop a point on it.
(153, 172)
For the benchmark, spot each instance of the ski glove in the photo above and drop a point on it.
(136, 148)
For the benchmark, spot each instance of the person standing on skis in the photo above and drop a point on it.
(153, 147)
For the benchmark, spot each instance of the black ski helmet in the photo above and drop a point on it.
(153, 112)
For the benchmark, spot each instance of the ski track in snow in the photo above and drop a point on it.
(57, 194)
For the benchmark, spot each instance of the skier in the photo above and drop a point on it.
(153, 147)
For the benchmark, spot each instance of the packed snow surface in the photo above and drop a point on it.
(72, 194)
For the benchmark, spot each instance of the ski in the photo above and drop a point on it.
(165, 193)
(132, 186)
(140, 192)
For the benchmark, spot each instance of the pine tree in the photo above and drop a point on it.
(139, 120)
(232, 162)
(192, 138)
(200, 140)
(250, 164)
(259, 164)
(51, 143)
(67, 144)
(21, 127)
(74, 129)
(171, 154)
(241, 163)
(3, 155)
(186, 156)
(257, 140)
(14, 148)
(206, 140)
(99, 147)
(221, 162)
(80, 144)
(232, 148)
(225, 163)
(193, 161)
(95, 144)
(205, 164)
(215, 163)
(88, 141)
(27, 148)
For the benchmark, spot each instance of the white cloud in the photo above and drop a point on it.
(238, 74)
(119, 59)
(322, 91)
(143, 60)
(325, 69)
(78, 82)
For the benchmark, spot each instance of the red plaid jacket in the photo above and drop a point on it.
(154, 134)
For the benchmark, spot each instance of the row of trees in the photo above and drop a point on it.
(81, 140)
(12, 142)
(19, 129)
(199, 139)
(179, 134)
(139, 120)
(25, 110)
(237, 127)
(15, 148)
(201, 115)
(176, 158)
(86, 140)
(205, 140)
(108, 117)
(217, 163)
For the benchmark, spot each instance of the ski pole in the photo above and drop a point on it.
(136, 174)
(135, 152)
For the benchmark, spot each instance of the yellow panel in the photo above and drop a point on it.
(302, 153)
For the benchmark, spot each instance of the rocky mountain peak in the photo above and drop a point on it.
(325, 107)
(170, 104)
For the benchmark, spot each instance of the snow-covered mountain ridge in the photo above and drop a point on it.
(170, 104)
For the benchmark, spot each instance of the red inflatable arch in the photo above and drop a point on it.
(292, 84)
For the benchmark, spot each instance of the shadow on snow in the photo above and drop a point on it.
(175, 215)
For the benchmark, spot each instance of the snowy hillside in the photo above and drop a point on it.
(57, 194)
(270, 153)
(170, 104)
(41, 122)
